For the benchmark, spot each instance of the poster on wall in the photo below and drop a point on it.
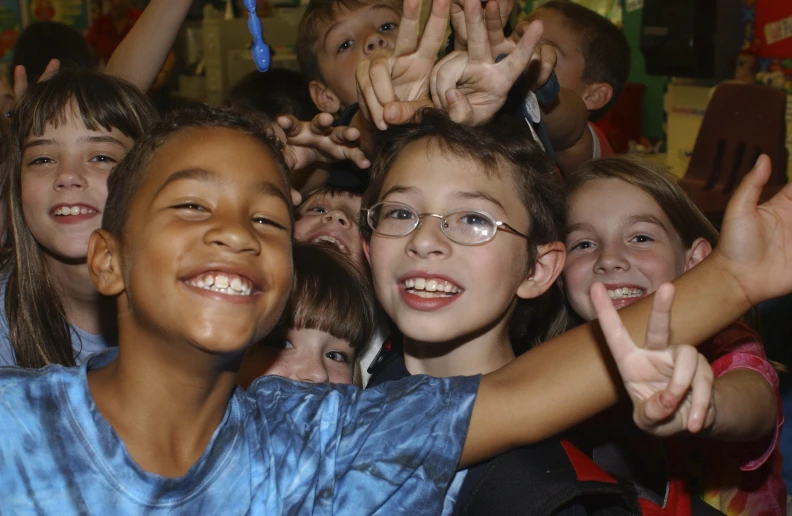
(71, 12)
(10, 24)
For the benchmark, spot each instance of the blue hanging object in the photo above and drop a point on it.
(260, 50)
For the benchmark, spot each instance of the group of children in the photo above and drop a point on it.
(216, 342)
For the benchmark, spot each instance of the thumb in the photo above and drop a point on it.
(746, 196)
(459, 108)
(397, 113)
(657, 408)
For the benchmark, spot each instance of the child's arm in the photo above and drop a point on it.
(746, 408)
(564, 381)
(143, 51)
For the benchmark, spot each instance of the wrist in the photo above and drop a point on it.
(730, 282)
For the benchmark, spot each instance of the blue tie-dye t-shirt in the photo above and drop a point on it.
(282, 448)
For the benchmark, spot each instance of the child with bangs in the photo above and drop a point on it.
(160, 423)
(329, 318)
(66, 135)
(632, 228)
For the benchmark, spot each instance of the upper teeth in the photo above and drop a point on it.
(331, 240)
(229, 284)
(620, 293)
(431, 285)
(73, 210)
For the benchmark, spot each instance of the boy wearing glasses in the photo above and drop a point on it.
(463, 230)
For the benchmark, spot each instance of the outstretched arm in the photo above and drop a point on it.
(564, 381)
(143, 51)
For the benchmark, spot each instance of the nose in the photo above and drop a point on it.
(611, 258)
(337, 216)
(428, 240)
(312, 371)
(70, 176)
(374, 42)
(233, 232)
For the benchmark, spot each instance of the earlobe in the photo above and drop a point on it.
(366, 250)
(700, 249)
(103, 263)
(550, 260)
(598, 95)
(323, 98)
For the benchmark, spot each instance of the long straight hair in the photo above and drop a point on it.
(39, 331)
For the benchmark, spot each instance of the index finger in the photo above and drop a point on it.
(615, 333)
(659, 327)
(478, 38)
(433, 36)
(516, 62)
(409, 28)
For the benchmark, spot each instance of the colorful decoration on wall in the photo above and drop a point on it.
(9, 28)
(71, 12)
(768, 38)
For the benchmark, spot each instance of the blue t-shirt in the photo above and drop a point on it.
(84, 344)
(283, 447)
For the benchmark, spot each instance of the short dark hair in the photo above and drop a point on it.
(316, 13)
(40, 42)
(502, 148)
(330, 294)
(332, 191)
(126, 178)
(606, 52)
(279, 91)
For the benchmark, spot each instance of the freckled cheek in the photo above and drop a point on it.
(34, 196)
(303, 227)
(341, 374)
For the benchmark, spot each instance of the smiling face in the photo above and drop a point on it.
(618, 235)
(304, 355)
(434, 289)
(332, 218)
(348, 39)
(206, 252)
(64, 184)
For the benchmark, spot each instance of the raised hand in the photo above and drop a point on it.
(470, 85)
(393, 85)
(670, 387)
(755, 246)
(317, 140)
(500, 9)
(20, 77)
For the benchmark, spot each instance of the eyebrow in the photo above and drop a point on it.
(208, 176)
(39, 142)
(401, 189)
(650, 219)
(582, 226)
(478, 195)
(376, 7)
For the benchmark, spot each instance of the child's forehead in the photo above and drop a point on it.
(344, 10)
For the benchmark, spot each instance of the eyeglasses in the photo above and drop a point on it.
(464, 227)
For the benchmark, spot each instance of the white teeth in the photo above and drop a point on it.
(222, 283)
(621, 293)
(330, 240)
(425, 287)
(72, 210)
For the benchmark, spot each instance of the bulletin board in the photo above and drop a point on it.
(768, 38)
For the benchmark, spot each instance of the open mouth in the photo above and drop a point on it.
(431, 287)
(625, 293)
(329, 239)
(66, 210)
(222, 283)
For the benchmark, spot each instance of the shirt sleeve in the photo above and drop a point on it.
(392, 449)
(739, 347)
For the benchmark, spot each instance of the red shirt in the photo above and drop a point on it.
(104, 37)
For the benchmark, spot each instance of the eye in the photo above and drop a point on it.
(642, 239)
(278, 344)
(191, 206)
(583, 245)
(104, 159)
(344, 46)
(338, 356)
(264, 221)
(317, 210)
(388, 26)
(397, 213)
(474, 219)
(41, 161)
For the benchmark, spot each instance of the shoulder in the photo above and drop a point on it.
(30, 396)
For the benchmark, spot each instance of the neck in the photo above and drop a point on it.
(83, 305)
(470, 355)
(164, 399)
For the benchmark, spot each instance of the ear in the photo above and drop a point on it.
(367, 249)
(104, 264)
(698, 251)
(323, 97)
(597, 95)
(550, 260)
